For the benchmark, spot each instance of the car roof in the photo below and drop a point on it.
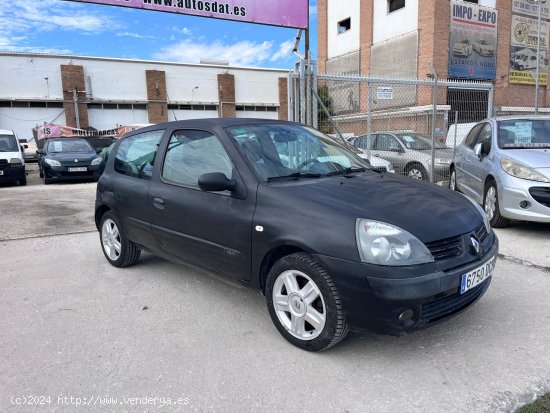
(521, 117)
(6, 132)
(209, 123)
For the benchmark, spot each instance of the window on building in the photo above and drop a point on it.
(344, 25)
(394, 5)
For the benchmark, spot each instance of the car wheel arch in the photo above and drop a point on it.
(99, 212)
(272, 256)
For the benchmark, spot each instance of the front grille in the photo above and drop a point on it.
(541, 195)
(449, 305)
(481, 233)
(446, 248)
(3, 164)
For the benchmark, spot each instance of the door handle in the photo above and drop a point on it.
(158, 203)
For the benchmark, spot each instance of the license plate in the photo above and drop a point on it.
(79, 169)
(478, 275)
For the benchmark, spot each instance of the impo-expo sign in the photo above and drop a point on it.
(285, 13)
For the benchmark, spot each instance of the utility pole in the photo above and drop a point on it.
(537, 80)
(75, 103)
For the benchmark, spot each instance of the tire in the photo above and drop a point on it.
(311, 316)
(416, 171)
(119, 250)
(491, 206)
(47, 180)
(23, 181)
(452, 180)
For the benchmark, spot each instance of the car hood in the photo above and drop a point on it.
(427, 211)
(8, 155)
(534, 158)
(71, 156)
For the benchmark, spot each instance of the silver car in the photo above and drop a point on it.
(504, 165)
(410, 153)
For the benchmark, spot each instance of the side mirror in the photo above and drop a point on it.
(478, 149)
(26, 146)
(216, 181)
(98, 150)
(40, 152)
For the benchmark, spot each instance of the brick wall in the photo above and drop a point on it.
(322, 36)
(226, 95)
(72, 77)
(157, 106)
(283, 98)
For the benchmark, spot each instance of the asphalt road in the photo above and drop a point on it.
(73, 326)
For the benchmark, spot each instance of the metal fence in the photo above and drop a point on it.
(412, 124)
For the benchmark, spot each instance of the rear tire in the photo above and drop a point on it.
(119, 250)
(23, 181)
(416, 171)
(491, 206)
(303, 303)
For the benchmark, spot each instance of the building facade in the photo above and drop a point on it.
(485, 40)
(102, 93)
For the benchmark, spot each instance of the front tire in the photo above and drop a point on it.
(492, 207)
(452, 180)
(119, 250)
(303, 303)
(417, 172)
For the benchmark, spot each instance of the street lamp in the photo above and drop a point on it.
(193, 92)
(537, 80)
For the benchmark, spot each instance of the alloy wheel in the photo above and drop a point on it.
(299, 305)
(416, 173)
(110, 239)
(490, 202)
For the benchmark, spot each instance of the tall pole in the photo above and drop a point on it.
(76, 112)
(537, 81)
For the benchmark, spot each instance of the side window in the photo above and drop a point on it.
(471, 138)
(387, 143)
(192, 153)
(135, 155)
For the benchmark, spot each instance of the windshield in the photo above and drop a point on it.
(418, 142)
(8, 143)
(69, 145)
(295, 151)
(524, 134)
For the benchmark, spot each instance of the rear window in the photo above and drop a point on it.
(69, 145)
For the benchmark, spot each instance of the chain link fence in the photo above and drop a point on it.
(409, 126)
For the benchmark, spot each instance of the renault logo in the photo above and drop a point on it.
(475, 244)
(76, 160)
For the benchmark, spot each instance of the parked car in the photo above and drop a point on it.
(68, 159)
(484, 48)
(377, 163)
(30, 148)
(463, 48)
(12, 161)
(504, 165)
(334, 245)
(410, 153)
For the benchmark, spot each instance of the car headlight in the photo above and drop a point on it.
(52, 162)
(442, 161)
(15, 161)
(384, 244)
(96, 161)
(521, 171)
(481, 212)
(390, 168)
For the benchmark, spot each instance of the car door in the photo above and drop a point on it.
(388, 147)
(462, 159)
(128, 185)
(479, 167)
(211, 229)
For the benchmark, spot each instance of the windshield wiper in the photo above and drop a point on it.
(294, 175)
(347, 171)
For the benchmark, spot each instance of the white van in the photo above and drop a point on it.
(462, 130)
(12, 160)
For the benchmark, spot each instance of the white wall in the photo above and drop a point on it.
(388, 25)
(23, 120)
(191, 114)
(259, 115)
(339, 44)
(109, 118)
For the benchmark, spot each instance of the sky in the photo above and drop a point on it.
(65, 27)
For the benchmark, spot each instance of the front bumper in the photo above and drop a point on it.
(373, 297)
(12, 173)
(512, 191)
(63, 173)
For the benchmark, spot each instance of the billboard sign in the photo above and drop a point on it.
(473, 41)
(530, 8)
(285, 13)
(523, 51)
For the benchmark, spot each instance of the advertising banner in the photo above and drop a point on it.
(60, 131)
(523, 51)
(473, 41)
(530, 8)
(285, 13)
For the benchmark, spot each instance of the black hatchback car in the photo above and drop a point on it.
(278, 206)
(68, 159)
